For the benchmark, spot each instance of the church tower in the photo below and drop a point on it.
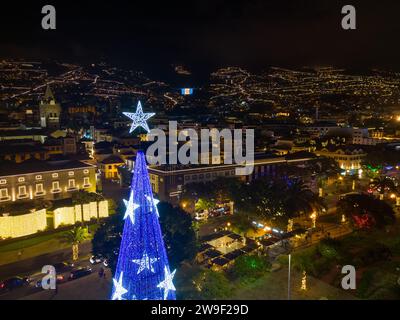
(49, 110)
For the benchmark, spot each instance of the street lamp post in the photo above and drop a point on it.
(290, 258)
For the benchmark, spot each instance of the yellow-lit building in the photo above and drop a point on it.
(82, 109)
(21, 153)
(348, 157)
(109, 166)
(45, 180)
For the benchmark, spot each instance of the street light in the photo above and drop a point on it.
(314, 219)
(290, 258)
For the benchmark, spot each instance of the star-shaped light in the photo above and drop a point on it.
(130, 208)
(119, 290)
(155, 202)
(145, 263)
(139, 118)
(167, 284)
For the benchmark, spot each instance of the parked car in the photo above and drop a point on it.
(96, 259)
(62, 267)
(13, 283)
(59, 279)
(79, 273)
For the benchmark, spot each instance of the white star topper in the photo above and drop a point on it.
(119, 289)
(139, 118)
(167, 283)
(145, 263)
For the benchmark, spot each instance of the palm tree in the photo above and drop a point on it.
(299, 200)
(74, 237)
(381, 184)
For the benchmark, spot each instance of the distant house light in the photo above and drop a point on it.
(186, 91)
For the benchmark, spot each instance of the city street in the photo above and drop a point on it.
(30, 266)
(90, 287)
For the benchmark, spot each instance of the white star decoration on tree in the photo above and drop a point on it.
(167, 284)
(119, 289)
(130, 208)
(139, 118)
(145, 263)
(155, 202)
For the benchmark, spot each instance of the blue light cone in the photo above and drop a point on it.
(142, 270)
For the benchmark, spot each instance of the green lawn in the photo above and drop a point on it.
(35, 246)
(26, 243)
(274, 286)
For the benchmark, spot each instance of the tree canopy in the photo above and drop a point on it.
(366, 211)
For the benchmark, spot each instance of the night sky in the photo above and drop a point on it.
(206, 34)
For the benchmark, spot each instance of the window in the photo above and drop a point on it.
(71, 183)
(4, 194)
(109, 167)
(71, 173)
(86, 182)
(39, 188)
(56, 186)
(22, 192)
(21, 179)
(38, 177)
(3, 181)
(86, 171)
(55, 175)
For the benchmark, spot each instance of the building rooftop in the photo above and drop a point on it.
(112, 159)
(8, 168)
(220, 261)
(7, 148)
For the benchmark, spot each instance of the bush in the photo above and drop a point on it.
(212, 285)
(329, 248)
(250, 267)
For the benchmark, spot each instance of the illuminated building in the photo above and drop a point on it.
(168, 182)
(47, 180)
(49, 110)
(109, 166)
(348, 157)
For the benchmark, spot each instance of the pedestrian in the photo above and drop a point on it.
(101, 272)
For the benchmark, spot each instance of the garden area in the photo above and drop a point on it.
(375, 254)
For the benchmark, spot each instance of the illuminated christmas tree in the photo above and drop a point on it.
(142, 270)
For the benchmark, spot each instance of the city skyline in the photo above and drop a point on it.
(202, 150)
